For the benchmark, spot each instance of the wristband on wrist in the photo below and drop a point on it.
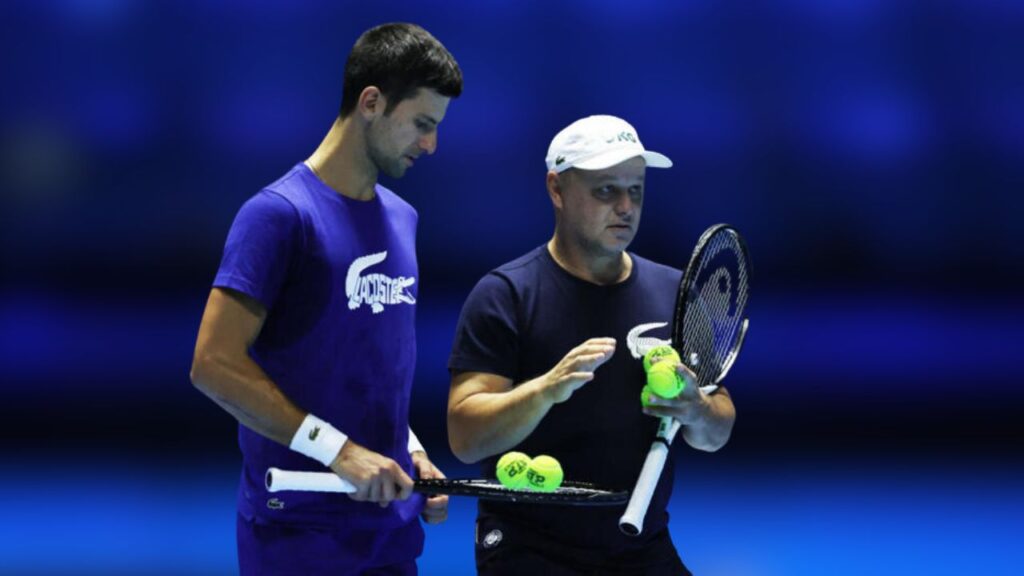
(318, 440)
(414, 443)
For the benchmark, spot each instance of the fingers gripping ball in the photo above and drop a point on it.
(544, 474)
(664, 381)
(659, 353)
(644, 395)
(512, 469)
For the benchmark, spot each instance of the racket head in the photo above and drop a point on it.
(709, 326)
(568, 494)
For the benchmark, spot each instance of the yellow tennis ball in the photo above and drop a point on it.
(664, 381)
(512, 469)
(544, 474)
(644, 395)
(658, 353)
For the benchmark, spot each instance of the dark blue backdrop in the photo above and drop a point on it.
(872, 152)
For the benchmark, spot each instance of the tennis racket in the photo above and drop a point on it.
(568, 494)
(707, 331)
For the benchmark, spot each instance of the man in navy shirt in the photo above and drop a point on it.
(308, 334)
(537, 367)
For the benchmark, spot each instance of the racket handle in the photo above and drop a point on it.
(278, 480)
(632, 521)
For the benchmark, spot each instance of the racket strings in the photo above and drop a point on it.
(714, 308)
(477, 486)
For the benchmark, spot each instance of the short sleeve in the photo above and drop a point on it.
(487, 335)
(260, 247)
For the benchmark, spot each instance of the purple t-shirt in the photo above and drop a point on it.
(339, 280)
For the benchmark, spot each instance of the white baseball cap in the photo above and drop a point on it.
(599, 142)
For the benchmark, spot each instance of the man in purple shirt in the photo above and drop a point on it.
(308, 334)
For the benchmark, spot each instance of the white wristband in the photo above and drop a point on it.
(318, 440)
(414, 443)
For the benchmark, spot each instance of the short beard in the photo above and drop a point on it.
(593, 247)
(393, 167)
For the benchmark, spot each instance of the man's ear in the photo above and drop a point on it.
(371, 103)
(554, 186)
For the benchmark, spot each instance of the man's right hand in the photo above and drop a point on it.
(376, 477)
(577, 368)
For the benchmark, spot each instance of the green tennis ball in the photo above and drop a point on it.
(664, 381)
(512, 469)
(644, 395)
(544, 474)
(659, 353)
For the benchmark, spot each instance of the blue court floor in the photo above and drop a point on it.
(810, 516)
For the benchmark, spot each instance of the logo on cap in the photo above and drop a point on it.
(623, 137)
(559, 160)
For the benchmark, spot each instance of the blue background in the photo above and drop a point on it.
(872, 153)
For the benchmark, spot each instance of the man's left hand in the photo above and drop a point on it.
(436, 509)
(690, 407)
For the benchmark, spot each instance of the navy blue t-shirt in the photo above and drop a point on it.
(518, 322)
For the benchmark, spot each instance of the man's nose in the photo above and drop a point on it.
(625, 206)
(428, 143)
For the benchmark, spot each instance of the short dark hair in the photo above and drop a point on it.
(399, 59)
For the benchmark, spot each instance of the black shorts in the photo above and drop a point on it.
(504, 548)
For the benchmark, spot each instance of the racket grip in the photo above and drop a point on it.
(278, 480)
(632, 521)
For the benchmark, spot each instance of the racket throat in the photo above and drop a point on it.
(667, 429)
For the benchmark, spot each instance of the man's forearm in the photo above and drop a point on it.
(245, 391)
(713, 430)
(414, 444)
(487, 423)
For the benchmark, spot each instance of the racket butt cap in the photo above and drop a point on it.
(629, 529)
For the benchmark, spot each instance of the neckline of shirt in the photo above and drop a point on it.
(546, 255)
(321, 187)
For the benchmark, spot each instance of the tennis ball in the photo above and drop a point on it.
(659, 353)
(544, 474)
(663, 380)
(644, 395)
(512, 469)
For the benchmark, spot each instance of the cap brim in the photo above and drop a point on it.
(613, 157)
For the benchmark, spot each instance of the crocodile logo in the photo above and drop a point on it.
(638, 344)
(375, 289)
